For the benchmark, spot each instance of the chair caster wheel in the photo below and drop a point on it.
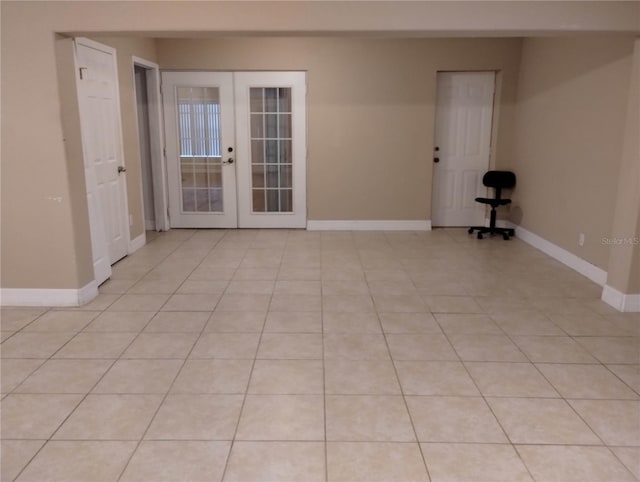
(505, 237)
(479, 235)
(470, 230)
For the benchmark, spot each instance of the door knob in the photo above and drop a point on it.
(121, 169)
(228, 161)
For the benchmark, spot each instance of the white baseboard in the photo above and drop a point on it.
(409, 225)
(137, 243)
(595, 274)
(149, 225)
(621, 301)
(88, 292)
(48, 297)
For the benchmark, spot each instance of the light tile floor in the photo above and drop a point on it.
(341, 356)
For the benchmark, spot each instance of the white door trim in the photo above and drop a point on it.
(95, 45)
(156, 141)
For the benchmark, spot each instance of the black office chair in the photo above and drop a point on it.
(498, 180)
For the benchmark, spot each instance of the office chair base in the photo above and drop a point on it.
(505, 232)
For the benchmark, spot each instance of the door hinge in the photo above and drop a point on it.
(81, 69)
(164, 152)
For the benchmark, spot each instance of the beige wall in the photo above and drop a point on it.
(400, 17)
(70, 119)
(39, 247)
(128, 47)
(58, 201)
(633, 285)
(45, 237)
(370, 110)
(570, 121)
(624, 259)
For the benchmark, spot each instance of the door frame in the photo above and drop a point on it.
(493, 133)
(97, 223)
(156, 141)
(244, 217)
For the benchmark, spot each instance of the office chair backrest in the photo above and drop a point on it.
(499, 179)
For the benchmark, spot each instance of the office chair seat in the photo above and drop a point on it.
(493, 201)
(498, 180)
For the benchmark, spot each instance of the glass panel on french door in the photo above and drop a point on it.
(271, 159)
(200, 153)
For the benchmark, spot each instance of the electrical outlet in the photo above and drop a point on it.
(581, 239)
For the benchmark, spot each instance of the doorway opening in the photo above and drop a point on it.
(150, 135)
(142, 108)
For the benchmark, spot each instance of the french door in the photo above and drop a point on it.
(236, 149)
(464, 113)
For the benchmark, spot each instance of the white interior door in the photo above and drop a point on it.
(103, 156)
(198, 113)
(464, 113)
(271, 142)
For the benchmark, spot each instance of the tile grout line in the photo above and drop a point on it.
(246, 393)
(324, 370)
(561, 397)
(50, 438)
(82, 329)
(488, 405)
(166, 394)
(636, 392)
(82, 399)
(357, 441)
(364, 244)
(402, 394)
